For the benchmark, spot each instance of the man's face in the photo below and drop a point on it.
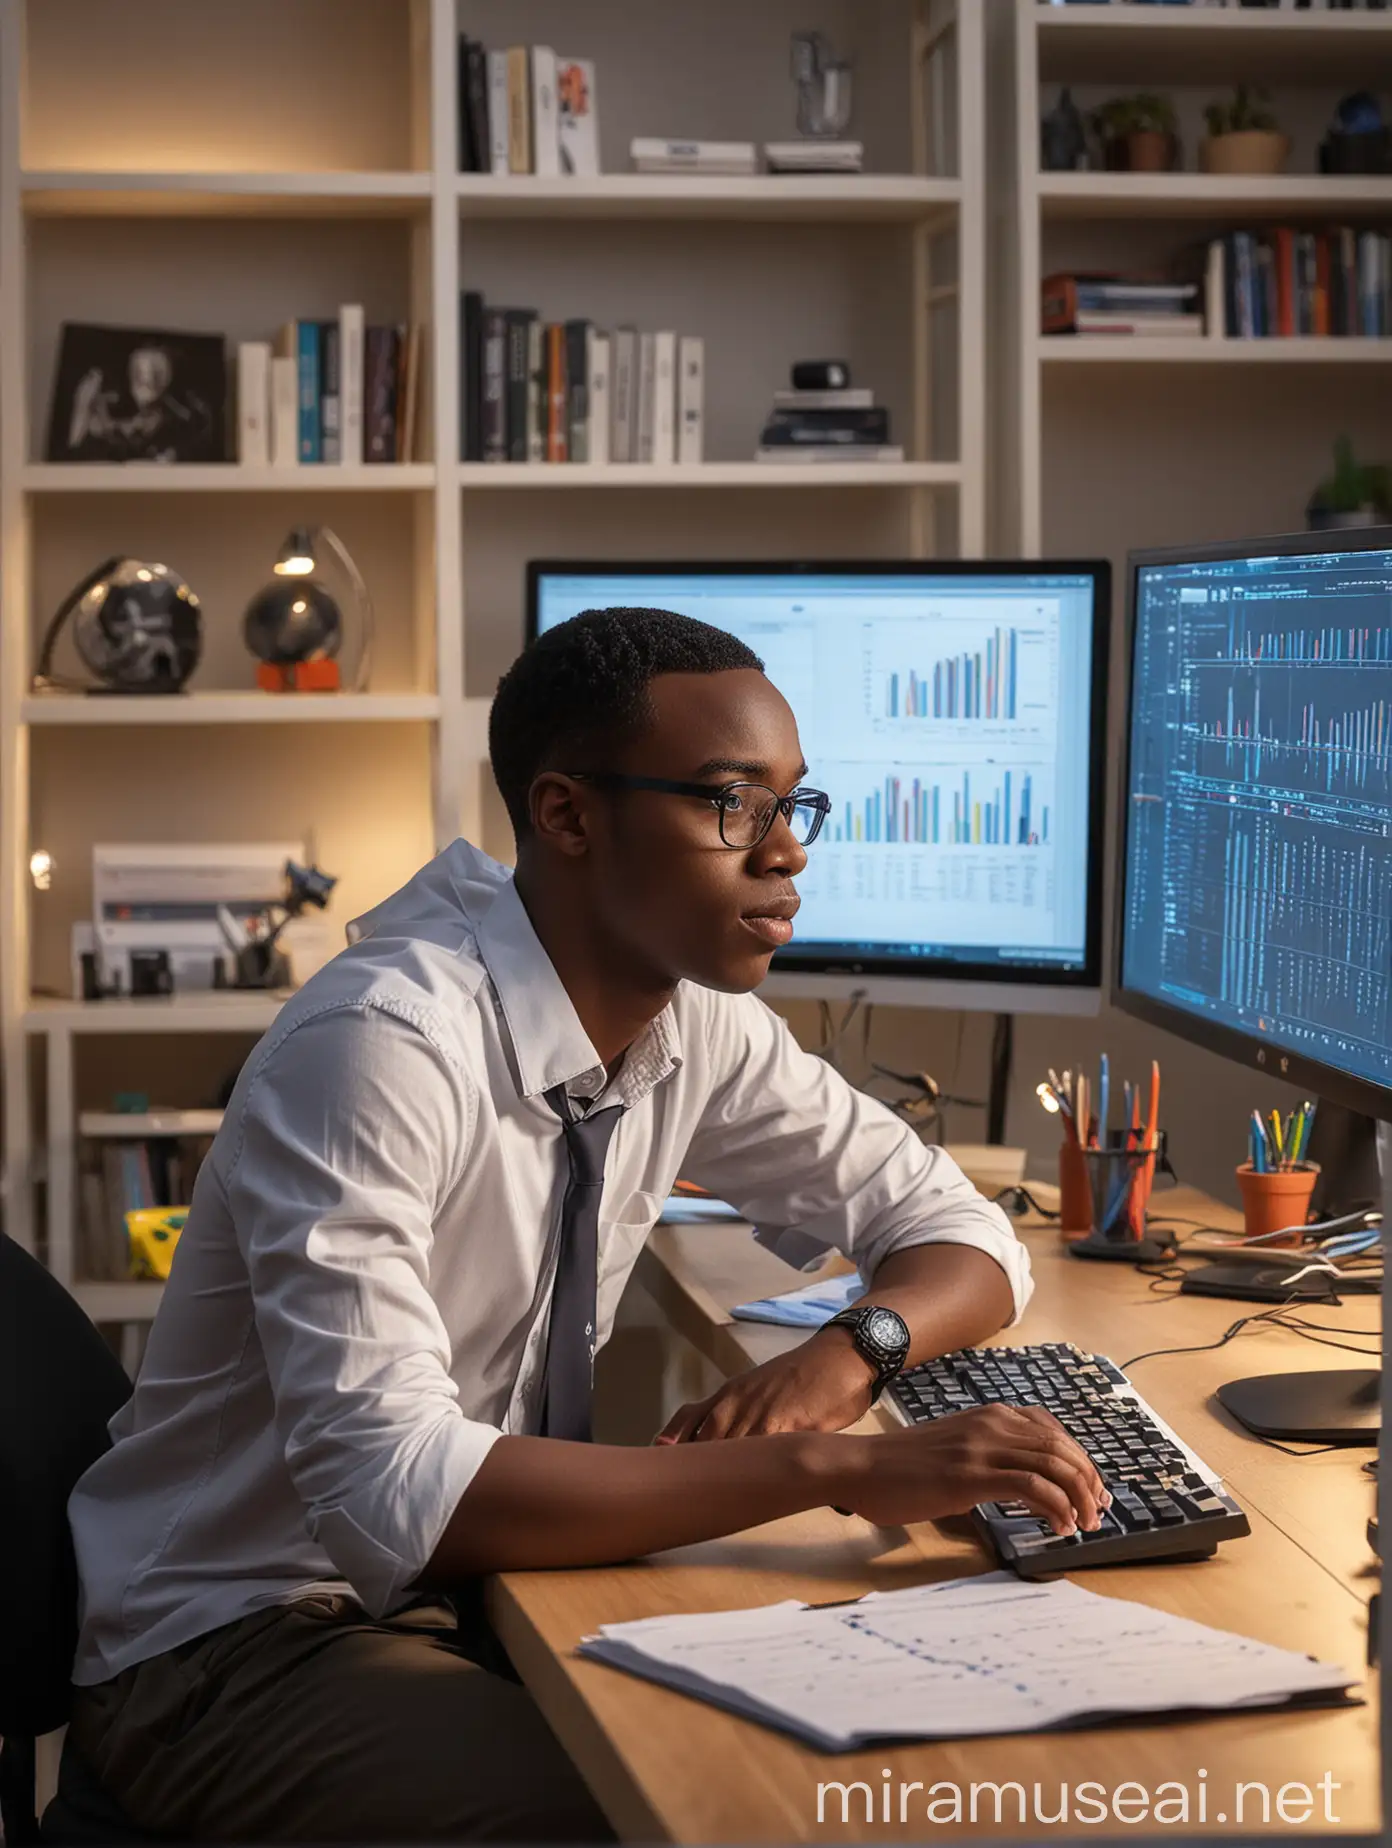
(666, 886)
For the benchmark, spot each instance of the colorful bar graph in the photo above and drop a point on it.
(980, 685)
(918, 813)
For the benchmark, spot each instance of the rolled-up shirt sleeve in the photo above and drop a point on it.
(812, 1162)
(353, 1131)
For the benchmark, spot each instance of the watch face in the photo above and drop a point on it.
(887, 1329)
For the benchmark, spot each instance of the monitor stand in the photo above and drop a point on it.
(1338, 1406)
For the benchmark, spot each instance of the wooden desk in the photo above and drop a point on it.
(669, 1768)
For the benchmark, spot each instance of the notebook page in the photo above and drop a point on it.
(971, 1656)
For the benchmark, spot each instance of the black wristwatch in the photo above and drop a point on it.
(881, 1337)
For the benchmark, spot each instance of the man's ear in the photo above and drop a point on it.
(557, 805)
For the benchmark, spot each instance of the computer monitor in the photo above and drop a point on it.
(956, 715)
(1256, 897)
(1256, 902)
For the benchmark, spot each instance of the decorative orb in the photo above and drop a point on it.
(294, 619)
(140, 630)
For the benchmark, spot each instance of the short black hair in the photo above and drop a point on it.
(580, 691)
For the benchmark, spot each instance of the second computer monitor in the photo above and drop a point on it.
(955, 714)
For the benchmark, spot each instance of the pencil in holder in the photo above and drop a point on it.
(1119, 1184)
(1075, 1190)
(1276, 1201)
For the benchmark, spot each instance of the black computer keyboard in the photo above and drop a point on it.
(1165, 1504)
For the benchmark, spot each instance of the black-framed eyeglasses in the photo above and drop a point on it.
(746, 810)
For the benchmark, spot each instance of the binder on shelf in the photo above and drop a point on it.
(471, 374)
(499, 120)
(538, 399)
(352, 360)
(546, 127)
(691, 398)
(285, 411)
(307, 351)
(519, 79)
(254, 403)
(623, 438)
(519, 321)
(647, 397)
(330, 428)
(494, 385)
(664, 442)
(556, 393)
(599, 354)
(577, 337)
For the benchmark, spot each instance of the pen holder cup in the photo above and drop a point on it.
(1075, 1190)
(1276, 1201)
(1119, 1181)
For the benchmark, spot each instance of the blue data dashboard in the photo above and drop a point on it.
(1259, 813)
(949, 717)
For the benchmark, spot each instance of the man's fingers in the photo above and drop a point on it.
(684, 1424)
(1062, 1444)
(1039, 1494)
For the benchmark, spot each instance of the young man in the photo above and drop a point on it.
(369, 1380)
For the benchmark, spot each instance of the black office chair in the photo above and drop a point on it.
(59, 1385)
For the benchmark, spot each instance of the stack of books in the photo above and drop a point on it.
(1107, 304)
(650, 154)
(329, 391)
(526, 110)
(1288, 284)
(815, 156)
(844, 425)
(565, 391)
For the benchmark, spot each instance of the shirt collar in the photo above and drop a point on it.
(549, 1045)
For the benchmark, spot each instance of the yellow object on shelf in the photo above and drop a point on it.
(153, 1232)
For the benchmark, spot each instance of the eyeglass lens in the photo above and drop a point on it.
(748, 811)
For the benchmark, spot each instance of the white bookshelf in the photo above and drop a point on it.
(249, 197)
(1090, 457)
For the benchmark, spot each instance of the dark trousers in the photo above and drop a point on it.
(309, 1722)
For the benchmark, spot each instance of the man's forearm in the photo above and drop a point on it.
(950, 1296)
(539, 1502)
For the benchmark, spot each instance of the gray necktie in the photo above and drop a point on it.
(568, 1386)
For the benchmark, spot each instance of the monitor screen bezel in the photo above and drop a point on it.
(1000, 975)
(1327, 1081)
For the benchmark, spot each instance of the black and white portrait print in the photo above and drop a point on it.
(127, 394)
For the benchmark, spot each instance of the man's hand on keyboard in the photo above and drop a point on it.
(993, 1453)
(811, 1388)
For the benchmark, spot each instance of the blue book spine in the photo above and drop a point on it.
(308, 347)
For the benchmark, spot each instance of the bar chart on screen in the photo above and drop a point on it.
(987, 675)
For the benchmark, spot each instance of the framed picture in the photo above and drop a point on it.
(136, 394)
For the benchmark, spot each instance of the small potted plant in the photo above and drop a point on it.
(1243, 136)
(1137, 133)
(1356, 494)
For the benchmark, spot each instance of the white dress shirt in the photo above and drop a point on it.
(358, 1302)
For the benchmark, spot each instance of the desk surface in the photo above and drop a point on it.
(670, 1768)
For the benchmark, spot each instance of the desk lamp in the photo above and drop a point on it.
(294, 626)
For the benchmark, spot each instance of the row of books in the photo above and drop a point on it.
(651, 154)
(329, 391)
(565, 391)
(526, 110)
(1285, 283)
(119, 1176)
(1277, 284)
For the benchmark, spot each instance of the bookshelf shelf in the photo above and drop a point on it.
(122, 1125)
(63, 194)
(230, 708)
(218, 1011)
(119, 1302)
(1133, 350)
(1198, 45)
(883, 198)
(1209, 195)
(600, 476)
(224, 478)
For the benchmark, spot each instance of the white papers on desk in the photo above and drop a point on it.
(991, 1654)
